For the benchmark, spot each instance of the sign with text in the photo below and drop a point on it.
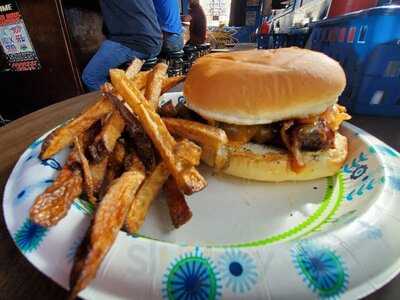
(18, 53)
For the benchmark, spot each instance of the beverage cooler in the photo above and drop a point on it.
(366, 44)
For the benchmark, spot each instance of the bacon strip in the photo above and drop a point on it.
(293, 147)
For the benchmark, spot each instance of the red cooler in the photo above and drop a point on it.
(341, 7)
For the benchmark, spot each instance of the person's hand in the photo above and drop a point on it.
(186, 18)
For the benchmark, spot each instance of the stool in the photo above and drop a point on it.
(204, 49)
(149, 64)
(175, 62)
(188, 57)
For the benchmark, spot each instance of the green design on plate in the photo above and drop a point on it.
(306, 226)
(85, 206)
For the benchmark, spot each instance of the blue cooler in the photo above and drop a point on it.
(367, 45)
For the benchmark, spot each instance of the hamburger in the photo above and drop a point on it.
(278, 108)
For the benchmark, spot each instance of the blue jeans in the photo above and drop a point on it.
(110, 55)
(172, 42)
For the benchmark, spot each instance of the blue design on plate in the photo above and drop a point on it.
(29, 236)
(385, 150)
(238, 270)
(28, 190)
(29, 157)
(357, 171)
(72, 250)
(371, 232)
(322, 269)
(394, 182)
(52, 163)
(191, 276)
(356, 163)
(35, 144)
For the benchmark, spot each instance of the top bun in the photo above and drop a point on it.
(263, 86)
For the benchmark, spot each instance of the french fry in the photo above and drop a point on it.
(216, 157)
(105, 141)
(118, 155)
(155, 83)
(142, 143)
(134, 68)
(211, 139)
(141, 79)
(144, 197)
(187, 177)
(170, 82)
(107, 221)
(200, 133)
(86, 138)
(114, 167)
(178, 208)
(64, 136)
(98, 171)
(132, 159)
(87, 175)
(188, 151)
(53, 204)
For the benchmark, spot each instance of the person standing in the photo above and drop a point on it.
(198, 23)
(132, 31)
(168, 16)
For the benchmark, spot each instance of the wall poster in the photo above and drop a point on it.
(17, 52)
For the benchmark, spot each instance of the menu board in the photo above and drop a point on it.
(18, 53)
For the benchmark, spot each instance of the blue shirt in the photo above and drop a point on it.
(132, 23)
(168, 15)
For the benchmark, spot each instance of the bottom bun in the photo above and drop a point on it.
(263, 163)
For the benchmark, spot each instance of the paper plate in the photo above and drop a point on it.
(335, 237)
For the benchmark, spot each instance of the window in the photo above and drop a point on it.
(377, 98)
(218, 11)
(342, 34)
(351, 35)
(363, 34)
(333, 34)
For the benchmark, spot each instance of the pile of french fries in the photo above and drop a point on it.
(122, 155)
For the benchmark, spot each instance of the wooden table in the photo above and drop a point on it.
(18, 278)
